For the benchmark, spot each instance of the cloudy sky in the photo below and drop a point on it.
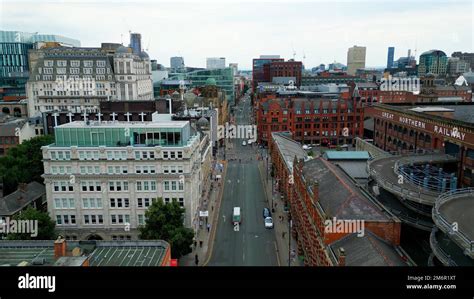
(241, 29)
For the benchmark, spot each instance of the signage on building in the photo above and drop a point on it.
(450, 132)
(203, 213)
(387, 115)
(412, 122)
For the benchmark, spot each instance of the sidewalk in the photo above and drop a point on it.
(280, 226)
(210, 201)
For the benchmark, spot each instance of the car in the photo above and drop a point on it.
(306, 147)
(249, 142)
(244, 143)
(266, 213)
(268, 222)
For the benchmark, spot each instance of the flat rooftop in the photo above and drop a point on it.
(338, 195)
(124, 124)
(460, 210)
(463, 112)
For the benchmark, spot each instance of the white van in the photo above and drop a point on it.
(236, 216)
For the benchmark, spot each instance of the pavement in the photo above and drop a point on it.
(210, 201)
(281, 227)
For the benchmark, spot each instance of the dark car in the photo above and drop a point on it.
(266, 213)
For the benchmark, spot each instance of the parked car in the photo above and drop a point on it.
(244, 143)
(268, 222)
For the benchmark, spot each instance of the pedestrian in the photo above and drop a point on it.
(200, 223)
(208, 227)
(196, 259)
(212, 208)
(200, 243)
(283, 235)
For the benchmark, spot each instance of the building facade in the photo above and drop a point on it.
(213, 63)
(101, 177)
(390, 56)
(433, 62)
(355, 59)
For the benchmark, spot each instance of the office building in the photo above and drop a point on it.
(468, 57)
(355, 59)
(433, 62)
(457, 66)
(118, 170)
(14, 65)
(213, 63)
(177, 63)
(390, 56)
(261, 69)
(136, 43)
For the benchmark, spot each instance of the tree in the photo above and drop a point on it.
(45, 226)
(23, 163)
(166, 222)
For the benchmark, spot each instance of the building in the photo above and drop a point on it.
(136, 43)
(457, 66)
(14, 66)
(77, 79)
(235, 68)
(316, 190)
(436, 90)
(390, 56)
(328, 77)
(94, 253)
(27, 195)
(286, 72)
(433, 62)
(101, 176)
(14, 131)
(310, 118)
(213, 63)
(132, 75)
(112, 111)
(177, 63)
(261, 69)
(468, 57)
(442, 128)
(355, 59)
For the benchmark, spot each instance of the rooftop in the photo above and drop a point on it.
(124, 124)
(288, 148)
(338, 195)
(100, 253)
(368, 250)
(347, 155)
(16, 201)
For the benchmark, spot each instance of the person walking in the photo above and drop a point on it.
(196, 259)
(208, 227)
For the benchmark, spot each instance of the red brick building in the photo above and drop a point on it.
(311, 120)
(447, 128)
(286, 69)
(316, 191)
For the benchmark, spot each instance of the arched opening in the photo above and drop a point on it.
(17, 112)
(94, 237)
(6, 110)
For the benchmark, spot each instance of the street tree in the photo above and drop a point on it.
(166, 222)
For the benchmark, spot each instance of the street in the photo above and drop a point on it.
(252, 244)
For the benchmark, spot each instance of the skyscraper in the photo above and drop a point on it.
(213, 63)
(136, 42)
(390, 55)
(355, 59)
(177, 62)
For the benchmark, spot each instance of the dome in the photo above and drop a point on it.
(143, 54)
(203, 122)
(122, 49)
(211, 81)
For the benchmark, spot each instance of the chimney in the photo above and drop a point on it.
(342, 257)
(60, 247)
(23, 187)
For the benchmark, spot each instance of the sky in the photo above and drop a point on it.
(240, 30)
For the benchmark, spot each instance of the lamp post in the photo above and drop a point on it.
(289, 237)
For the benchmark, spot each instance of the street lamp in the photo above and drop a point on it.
(289, 236)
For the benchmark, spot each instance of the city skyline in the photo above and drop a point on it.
(169, 29)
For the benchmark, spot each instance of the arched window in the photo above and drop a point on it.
(17, 112)
(6, 110)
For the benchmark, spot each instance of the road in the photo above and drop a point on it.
(252, 245)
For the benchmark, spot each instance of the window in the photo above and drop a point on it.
(146, 186)
(141, 219)
(117, 186)
(62, 186)
(90, 186)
